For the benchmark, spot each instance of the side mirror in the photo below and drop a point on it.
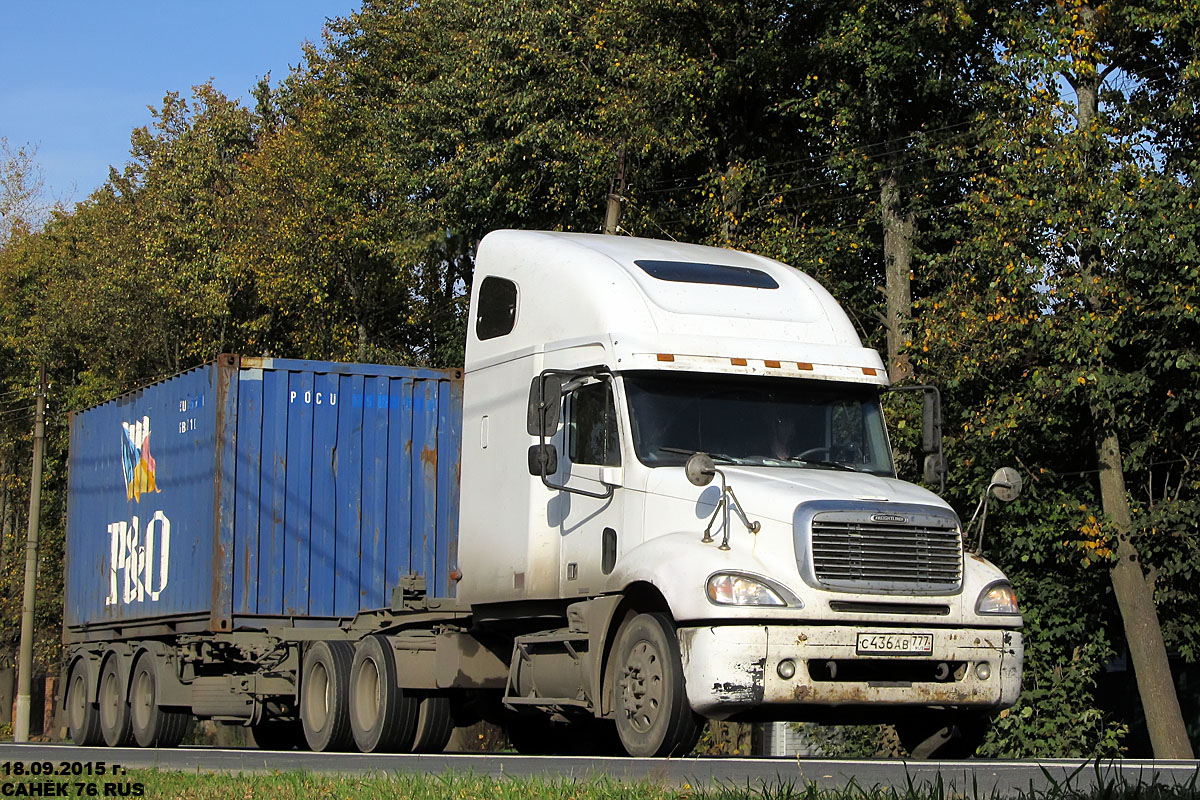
(700, 469)
(1007, 484)
(545, 405)
(543, 459)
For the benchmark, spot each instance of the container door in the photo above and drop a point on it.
(590, 526)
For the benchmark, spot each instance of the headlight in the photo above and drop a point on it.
(731, 589)
(999, 598)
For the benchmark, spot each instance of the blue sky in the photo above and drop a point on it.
(76, 76)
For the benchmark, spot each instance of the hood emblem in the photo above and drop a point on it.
(890, 518)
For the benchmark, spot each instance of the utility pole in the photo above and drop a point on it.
(25, 657)
(616, 196)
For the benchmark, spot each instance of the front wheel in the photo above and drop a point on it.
(652, 713)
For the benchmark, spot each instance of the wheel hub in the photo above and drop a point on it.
(642, 686)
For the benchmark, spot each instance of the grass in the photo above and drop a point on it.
(312, 786)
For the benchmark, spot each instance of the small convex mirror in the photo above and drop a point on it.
(700, 469)
(1007, 484)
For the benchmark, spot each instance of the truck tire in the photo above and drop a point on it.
(435, 725)
(383, 719)
(83, 716)
(325, 696)
(652, 713)
(115, 725)
(153, 725)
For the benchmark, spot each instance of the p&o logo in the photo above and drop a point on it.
(139, 554)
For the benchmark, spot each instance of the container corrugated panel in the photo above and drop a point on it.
(269, 488)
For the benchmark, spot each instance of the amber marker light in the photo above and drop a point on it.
(738, 362)
(772, 364)
(802, 365)
(665, 357)
(869, 371)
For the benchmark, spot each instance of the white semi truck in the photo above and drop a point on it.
(677, 501)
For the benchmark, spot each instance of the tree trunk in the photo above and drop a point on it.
(1135, 598)
(898, 232)
(1133, 589)
(731, 202)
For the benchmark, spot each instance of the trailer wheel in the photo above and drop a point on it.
(115, 725)
(652, 712)
(325, 696)
(83, 716)
(153, 725)
(435, 725)
(383, 718)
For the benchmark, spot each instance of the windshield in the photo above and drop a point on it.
(747, 419)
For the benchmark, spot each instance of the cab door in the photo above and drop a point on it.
(589, 525)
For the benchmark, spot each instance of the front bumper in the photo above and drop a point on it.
(732, 669)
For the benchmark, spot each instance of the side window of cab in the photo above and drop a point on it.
(592, 426)
(496, 308)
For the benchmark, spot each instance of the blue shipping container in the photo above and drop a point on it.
(262, 488)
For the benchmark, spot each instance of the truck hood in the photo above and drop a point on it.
(775, 492)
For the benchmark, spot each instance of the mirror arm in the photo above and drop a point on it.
(575, 375)
(607, 493)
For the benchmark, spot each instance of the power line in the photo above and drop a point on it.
(847, 151)
(14, 412)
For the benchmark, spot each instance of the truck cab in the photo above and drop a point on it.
(680, 451)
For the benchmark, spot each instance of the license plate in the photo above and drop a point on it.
(896, 644)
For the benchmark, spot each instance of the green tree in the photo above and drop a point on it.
(1073, 303)
(890, 89)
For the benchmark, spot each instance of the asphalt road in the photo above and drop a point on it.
(971, 778)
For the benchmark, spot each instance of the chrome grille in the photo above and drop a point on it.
(864, 553)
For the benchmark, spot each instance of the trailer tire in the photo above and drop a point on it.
(153, 725)
(115, 725)
(83, 716)
(383, 719)
(435, 724)
(652, 713)
(325, 696)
